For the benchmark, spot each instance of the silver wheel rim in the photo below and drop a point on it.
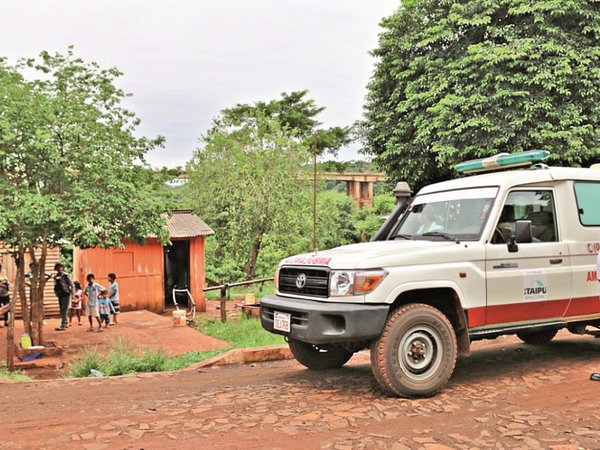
(420, 352)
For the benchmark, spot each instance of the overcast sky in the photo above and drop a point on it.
(184, 61)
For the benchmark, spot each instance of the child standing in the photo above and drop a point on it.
(104, 308)
(113, 295)
(91, 291)
(76, 307)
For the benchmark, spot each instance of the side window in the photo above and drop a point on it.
(537, 206)
(587, 194)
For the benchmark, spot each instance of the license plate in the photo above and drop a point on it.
(282, 321)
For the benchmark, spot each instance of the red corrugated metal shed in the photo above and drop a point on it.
(147, 273)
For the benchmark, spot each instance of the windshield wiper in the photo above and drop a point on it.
(441, 234)
(403, 236)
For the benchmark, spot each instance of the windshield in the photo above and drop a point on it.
(459, 214)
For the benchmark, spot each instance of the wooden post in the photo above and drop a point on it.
(223, 303)
(10, 334)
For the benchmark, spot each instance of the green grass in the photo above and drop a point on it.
(242, 333)
(17, 375)
(124, 357)
(236, 293)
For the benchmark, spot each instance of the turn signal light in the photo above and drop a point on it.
(365, 282)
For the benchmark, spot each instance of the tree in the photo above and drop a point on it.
(370, 219)
(249, 181)
(297, 115)
(337, 215)
(69, 165)
(246, 182)
(461, 80)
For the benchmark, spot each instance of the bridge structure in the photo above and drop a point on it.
(359, 185)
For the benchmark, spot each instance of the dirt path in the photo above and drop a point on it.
(507, 395)
(142, 328)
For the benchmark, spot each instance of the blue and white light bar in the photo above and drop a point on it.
(502, 161)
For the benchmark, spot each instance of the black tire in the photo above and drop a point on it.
(319, 357)
(538, 337)
(416, 352)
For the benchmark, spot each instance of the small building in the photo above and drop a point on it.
(148, 273)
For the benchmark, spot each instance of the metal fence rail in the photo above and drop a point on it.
(224, 287)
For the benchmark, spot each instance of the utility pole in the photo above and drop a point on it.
(314, 237)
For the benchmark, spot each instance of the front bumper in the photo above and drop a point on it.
(320, 322)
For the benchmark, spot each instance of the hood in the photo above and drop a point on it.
(374, 254)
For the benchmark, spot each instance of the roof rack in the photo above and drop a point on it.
(502, 161)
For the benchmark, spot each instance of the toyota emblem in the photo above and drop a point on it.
(301, 281)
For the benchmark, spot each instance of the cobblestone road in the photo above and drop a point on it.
(506, 395)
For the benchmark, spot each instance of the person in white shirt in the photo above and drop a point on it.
(428, 222)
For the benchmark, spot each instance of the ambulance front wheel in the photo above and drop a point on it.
(416, 353)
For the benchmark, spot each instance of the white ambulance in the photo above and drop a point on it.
(510, 252)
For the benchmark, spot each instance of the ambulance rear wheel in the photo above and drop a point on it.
(537, 337)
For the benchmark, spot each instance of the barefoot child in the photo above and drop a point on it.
(113, 295)
(104, 308)
(91, 291)
(75, 307)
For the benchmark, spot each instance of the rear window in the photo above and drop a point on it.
(587, 194)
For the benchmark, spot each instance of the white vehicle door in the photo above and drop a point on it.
(534, 283)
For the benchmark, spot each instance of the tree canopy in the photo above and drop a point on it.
(462, 80)
(245, 182)
(296, 114)
(70, 161)
(249, 181)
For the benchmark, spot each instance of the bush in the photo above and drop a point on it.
(90, 359)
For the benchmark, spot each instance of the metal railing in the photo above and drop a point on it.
(224, 287)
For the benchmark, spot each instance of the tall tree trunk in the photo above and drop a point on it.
(41, 282)
(35, 328)
(10, 335)
(20, 288)
(253, 257)
(37, 292)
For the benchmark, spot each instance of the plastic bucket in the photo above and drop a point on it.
(179, 318)
(25, 341)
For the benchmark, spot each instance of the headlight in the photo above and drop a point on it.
(276, 279)
(349, 282)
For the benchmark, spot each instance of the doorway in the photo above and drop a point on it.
(177, 271)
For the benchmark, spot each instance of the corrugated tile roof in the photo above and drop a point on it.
(185, 224)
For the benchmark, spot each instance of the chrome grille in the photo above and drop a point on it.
(317, 281)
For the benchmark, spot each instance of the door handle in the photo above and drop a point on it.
(556, 261)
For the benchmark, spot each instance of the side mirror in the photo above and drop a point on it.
(523, 235)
